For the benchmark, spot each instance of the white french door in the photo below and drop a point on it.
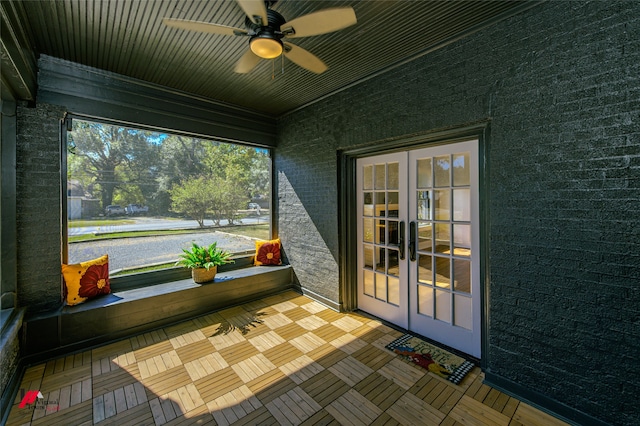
(418, 233)
(382, 218)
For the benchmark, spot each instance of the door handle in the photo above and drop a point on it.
(412, 241)
(401, 240)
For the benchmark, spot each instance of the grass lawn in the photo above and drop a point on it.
(99, 222)
(252, 231)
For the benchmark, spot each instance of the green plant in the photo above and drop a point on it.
(204, 257)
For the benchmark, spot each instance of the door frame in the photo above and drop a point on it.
(347, 195)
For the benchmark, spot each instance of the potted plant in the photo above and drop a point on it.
(204, 261)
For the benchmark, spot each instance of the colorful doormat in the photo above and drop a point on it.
(436, 360)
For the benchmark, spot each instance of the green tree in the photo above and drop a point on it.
(233, 173)
(198, 197)
(246, 167)
(194, 197)
(229, 198)
(110, 158)
(139, 172)
(181, 158)
(260, 174)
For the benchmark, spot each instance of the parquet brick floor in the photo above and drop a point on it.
(282, 360)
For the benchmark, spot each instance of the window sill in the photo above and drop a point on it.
(176, 286)
(136, 310)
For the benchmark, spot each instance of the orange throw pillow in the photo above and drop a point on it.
(268, 253)
(85, 280)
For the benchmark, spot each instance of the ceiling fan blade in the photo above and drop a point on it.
(321, 22)
(204, 27)
(247, 62)
(254, 9)
(304, 58)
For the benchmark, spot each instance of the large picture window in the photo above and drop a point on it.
(142, 196)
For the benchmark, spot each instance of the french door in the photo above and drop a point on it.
(418, 234)
(382, 252)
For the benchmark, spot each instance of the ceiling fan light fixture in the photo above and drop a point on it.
(266, 47)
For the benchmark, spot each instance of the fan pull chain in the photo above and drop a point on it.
(273, 70)
(282, 62)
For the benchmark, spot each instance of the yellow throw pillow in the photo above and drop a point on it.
(85, 280)
(268, 253)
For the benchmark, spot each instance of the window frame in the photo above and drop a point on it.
(8, 214)
(151, 278)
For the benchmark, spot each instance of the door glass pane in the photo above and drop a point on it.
(442, 204)
(462, 275)
(368, 256)
(392, 176)
(380, 176)
(461, 169)
(425, 300)
(380, 259)
(367, 177)
(381, 287)
(462, 205)
(425, 235)
(381, 206)
(425, 269)
(442, 165)
(368, 283)
(393, 232)
(367, 230)
(394, 290)
(462, 311)
(367, 200)
(392, 208)
(461, 240)
(442, 238)
(380, 232)
(393, 265)
(443, 305)
(443, 272)
(424, 173)
(424, 205)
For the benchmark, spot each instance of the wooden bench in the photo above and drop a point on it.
(135, 310)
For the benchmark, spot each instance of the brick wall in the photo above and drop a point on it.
(306, 186)
(38, 207)
(560, 84)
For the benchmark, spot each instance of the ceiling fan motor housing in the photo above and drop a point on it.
(272, 28)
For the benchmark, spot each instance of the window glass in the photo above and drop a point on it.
(142, 196)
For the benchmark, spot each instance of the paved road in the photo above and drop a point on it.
(131, 252)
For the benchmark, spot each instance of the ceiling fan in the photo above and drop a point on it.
(266, 30)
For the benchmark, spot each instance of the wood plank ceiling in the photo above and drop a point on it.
(127, 37)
